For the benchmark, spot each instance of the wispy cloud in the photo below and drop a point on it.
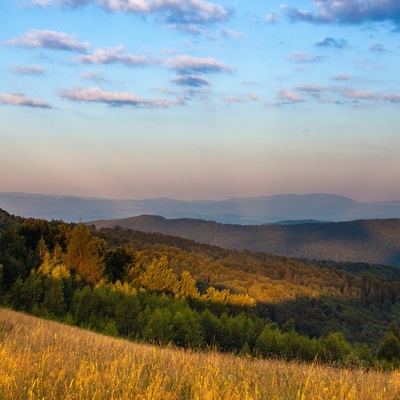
(303, 57)
(17, 99)
(341, 77)
(377, 47)
(288, 97)
(314, 90)
(113, 55)
(348, 12)
(95, 94)
(271, 18)
(187, 65)
(337, 94)
(93, 76)
(191, 80)
(331, 42)
(170, 11)
(229, 33)
(27, 70)
(47, 39)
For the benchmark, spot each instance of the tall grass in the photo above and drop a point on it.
(45, 360)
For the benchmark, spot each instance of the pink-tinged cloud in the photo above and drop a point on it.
(253, 96)
(27, 70)
(170, 11)
(393, 98)
(113, 55)
(348, 11)
(360, 95)
(46, 39)
(17, 99)
(97, 95)
(286, 96)
(191, 65)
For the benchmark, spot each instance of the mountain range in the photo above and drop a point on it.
(287, 208)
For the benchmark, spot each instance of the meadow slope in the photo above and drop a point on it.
(41, 359)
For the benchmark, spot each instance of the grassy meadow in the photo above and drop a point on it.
(42, 359)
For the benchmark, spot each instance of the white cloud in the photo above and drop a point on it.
(97, 95)
(271, 18)
(47, 39)
(348, 11)
(112, 55)
(171, 11)
(188, 65)
(27, 70)
(18, 99)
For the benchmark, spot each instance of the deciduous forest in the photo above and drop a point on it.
(161, 289)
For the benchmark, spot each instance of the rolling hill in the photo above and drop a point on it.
(244, 211)
(370, 241)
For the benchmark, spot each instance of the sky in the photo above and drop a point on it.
(200, 100)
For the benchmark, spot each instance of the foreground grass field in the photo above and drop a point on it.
(45, 360)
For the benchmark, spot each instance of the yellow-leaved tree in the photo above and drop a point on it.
(85, 254)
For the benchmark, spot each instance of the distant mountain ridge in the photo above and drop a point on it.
(370, 241)
(243, 211)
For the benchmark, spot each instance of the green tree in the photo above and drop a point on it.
(116, 262)
(187, 328)
(389, 348)
(336, 348)
(159, 328)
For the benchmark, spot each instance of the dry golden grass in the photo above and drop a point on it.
(46, 360)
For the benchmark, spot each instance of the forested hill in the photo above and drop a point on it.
(153, 287)
(371, 241)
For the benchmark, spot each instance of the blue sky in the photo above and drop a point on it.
(200, 99)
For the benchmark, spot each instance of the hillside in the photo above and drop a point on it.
(369, 241)
(165, 289)
(47, 360)
(244, 211)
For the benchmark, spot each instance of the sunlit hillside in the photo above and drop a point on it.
(41, 359)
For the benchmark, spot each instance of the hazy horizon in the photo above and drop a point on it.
(23, 194)
(200, 100)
